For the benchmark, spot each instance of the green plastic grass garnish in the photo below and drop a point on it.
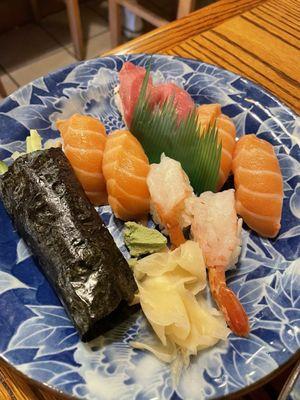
(159, 132)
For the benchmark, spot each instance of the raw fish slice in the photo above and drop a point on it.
(170, 191)
(259, 185)
(217, 230)
(209, 114)
(131, 78)
(125, 168)
(84, 140)
(183, 102)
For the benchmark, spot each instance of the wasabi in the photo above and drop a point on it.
(142, 240)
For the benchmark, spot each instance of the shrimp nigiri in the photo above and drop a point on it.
(84, 140)
(170, 191)
(208, 114)
(216, 228)
(259, 185)
(125, 168)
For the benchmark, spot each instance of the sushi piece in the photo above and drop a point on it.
(131, 78)
(259, 185)
(72, 245)
(125, 168)
(208, 114)
(171, 198)
(182, 101)
(216, 228)
(84, 140)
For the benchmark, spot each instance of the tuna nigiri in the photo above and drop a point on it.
(182, 101)
(131, 78)
(216, 228)
(171, 197)
(125, 168)
(259, 185)
(84, 140)
(209, 114)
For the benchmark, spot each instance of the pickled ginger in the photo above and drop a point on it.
(169, 286)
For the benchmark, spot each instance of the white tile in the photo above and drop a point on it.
(58, 25)
(96, 46)
(22, 46)
(100, 7)
(49, 62)
(92, 23)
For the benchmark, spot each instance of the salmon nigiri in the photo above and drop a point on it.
(125, 168)
(84, 140)
(259, 185)
(209, 114)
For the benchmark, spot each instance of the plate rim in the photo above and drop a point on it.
(234, 395)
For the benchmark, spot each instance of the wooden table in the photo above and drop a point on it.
(254, 38)
(257, 39)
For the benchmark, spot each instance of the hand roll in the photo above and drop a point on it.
(67, 236)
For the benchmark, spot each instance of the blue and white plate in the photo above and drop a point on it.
(36, 335)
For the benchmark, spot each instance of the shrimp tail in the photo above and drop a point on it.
(176, 235)
(171, 223)
(227, 302)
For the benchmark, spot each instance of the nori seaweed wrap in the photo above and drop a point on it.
(67, 236)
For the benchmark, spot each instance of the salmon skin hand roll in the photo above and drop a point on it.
(259, 185)
(65, 233)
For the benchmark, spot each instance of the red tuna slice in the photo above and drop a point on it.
(182, 100)
(131, 79)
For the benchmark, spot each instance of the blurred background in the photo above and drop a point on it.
(39, 36)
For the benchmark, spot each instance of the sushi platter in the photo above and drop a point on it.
(149, 230)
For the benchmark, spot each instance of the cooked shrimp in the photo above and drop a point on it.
(216, 228)
(170, 190)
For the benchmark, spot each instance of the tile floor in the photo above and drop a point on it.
(48, 45)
